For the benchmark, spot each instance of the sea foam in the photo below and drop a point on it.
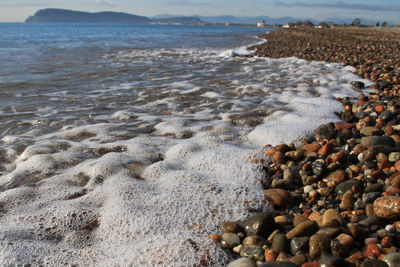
(169, 156)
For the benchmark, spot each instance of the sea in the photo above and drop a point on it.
(128, 145)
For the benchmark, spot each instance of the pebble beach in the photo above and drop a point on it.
(335, 194)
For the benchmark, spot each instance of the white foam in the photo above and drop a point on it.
(132, 185)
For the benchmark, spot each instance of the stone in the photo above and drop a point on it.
(358, 231)
(278, 197)
(253, 252)
(296, 155)
(357, 84)
(298, 259)
(341, 125)
(369, 131)
(372, 251)
(330, 260)
(270, 255)
(319, 168)
(331, 231)
(306, 228)
(299, 244)
(280, 243)
(261, 224)
(331, 218)
(229, 227)
(281, 220)
(254, 240)
(299, 218)
(392, 259)
(324, 131)
(278, 264)
(382, 141)
(386, 115)
(310, 148)
(346, 186)
(347, 202)
(230, 240)
(242, 262)
(337, 177)
(341, 244)
(387, 207)
(279, 157)
(318, 244)
(373, 263)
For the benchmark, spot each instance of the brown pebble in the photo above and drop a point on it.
(319, 243)
(303, 229)
(337, 177)
(347, 201)
(215, 237)
(309, 148)
(331, 218)
(229, 227)
(278, 197)
(279, 157)
(341, 244)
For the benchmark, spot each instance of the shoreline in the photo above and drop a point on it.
(336, 195)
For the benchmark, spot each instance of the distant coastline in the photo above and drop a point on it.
(52, 15)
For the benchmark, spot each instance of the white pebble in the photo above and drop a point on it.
(308, 189)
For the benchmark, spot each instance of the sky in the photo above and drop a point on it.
(379, 10)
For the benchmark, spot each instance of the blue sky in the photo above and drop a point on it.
(379, 10)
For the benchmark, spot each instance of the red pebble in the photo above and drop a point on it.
(379, 108)
(372, 251)
(341, 125)
(385, 165)
(326, 149)
(310, 264)
(387, 242)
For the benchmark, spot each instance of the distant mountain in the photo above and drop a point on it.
(268, 20)
(179, 20)
(54, 15)
(70, 16)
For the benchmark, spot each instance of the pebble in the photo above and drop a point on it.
(229, 227)
(278, 197)
(278, 264)
(242, 262)
(306, 228)
(299, 244)
(261, 224)
(331, 218)
(341, 244)
(341, 186)
(230, 240)
(253, 252)
(392, 259)
(318, 244)
(387, 207)
(373, 263)
(348, 186)
(337, 177)
(280, 243)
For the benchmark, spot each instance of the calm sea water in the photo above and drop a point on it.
(119, 143)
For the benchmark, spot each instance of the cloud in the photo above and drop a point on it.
(105, 3)
(340, 5)
(190, 3)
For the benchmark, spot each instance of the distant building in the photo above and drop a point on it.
(286, 26)
(227, 24)
(261, 23)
